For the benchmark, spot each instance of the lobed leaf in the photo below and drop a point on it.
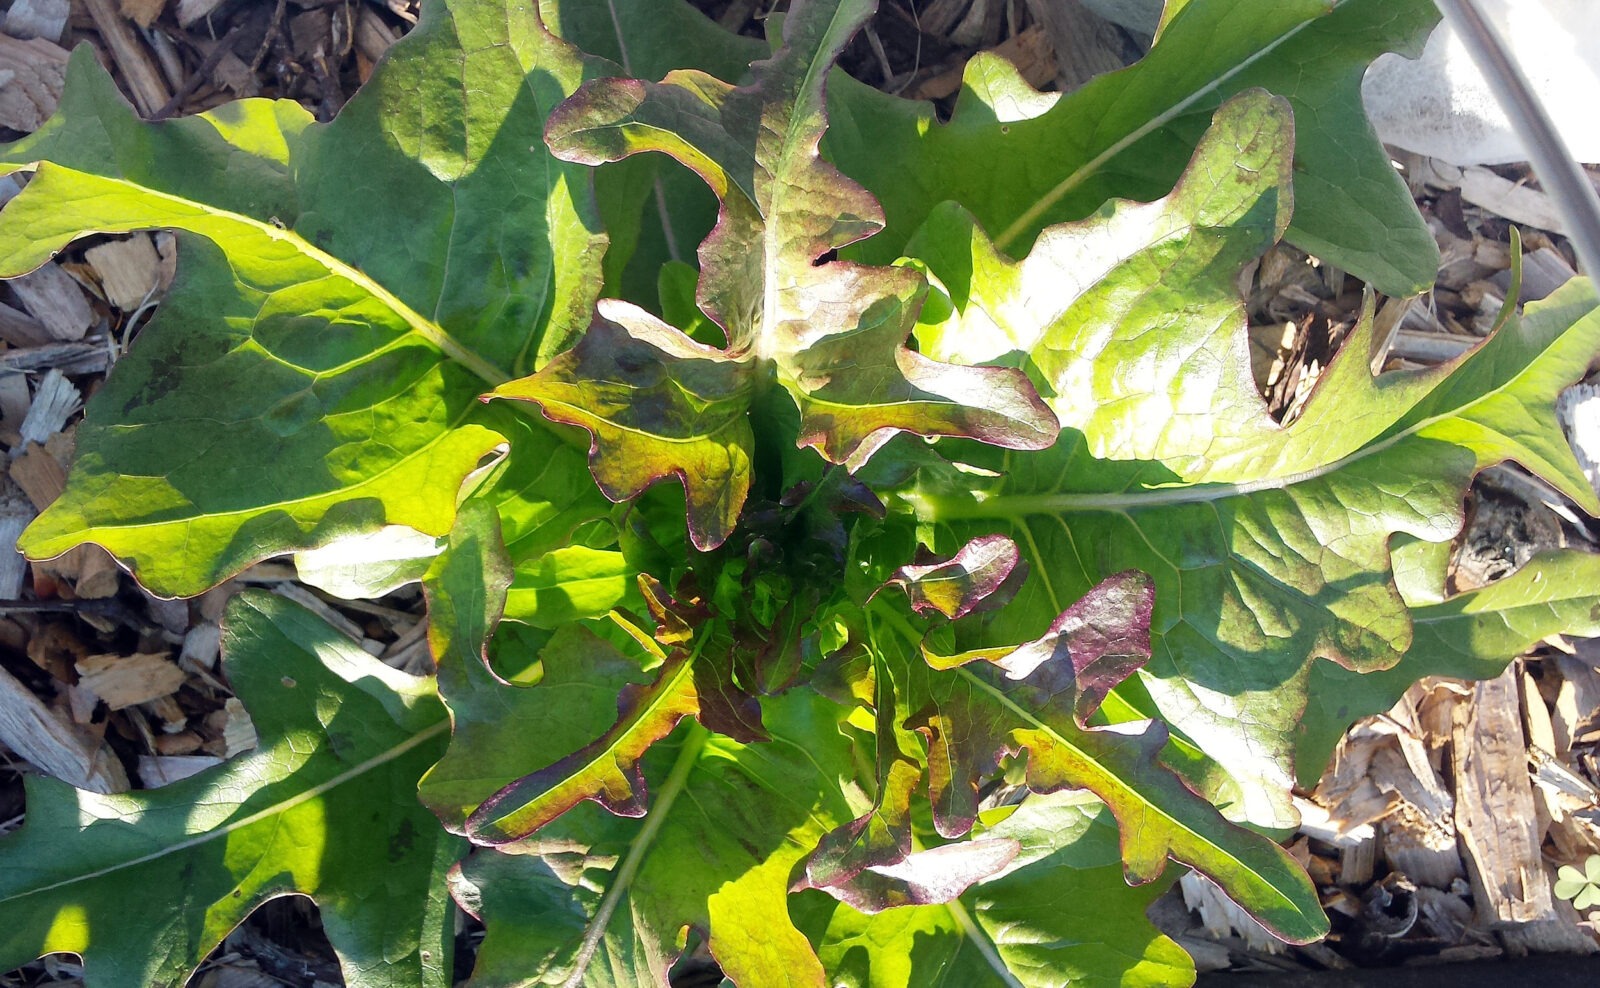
(595, 899)
(1060, 914)
(832, 334)
(1469, 636)
(1269, 545)
(357, 284)
(324, 806)
(1021, 160)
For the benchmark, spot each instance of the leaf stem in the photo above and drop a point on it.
(979, 940)
(688, 755)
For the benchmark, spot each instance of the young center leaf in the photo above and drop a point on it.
(586, 894)
(1020, 160)
(1269, 545)
(324, 806)
(345, 292)
(831, 334)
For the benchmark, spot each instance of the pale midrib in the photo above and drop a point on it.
(418, 324)
(990, 955)
(1085, 171)
(276, 809)
(1017, 505)
(1027, 717)
(637, 849)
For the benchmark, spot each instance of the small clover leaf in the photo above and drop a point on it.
(1582, 887)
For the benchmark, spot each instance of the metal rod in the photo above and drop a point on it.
(1563, 179)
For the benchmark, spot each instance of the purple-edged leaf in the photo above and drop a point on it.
(695, 680)
(930, 877)
(831, 333)
(881, 836)
(657, 404)
(1096, 644)
(956, 586)
(606, 770)
(976, 715)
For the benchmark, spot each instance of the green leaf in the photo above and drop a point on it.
(831, 334)
(324, 806)
(1020, 160)
(654, 214)
(596, 899)
(1061, 914)
(1269, 546)
(357, 284)
(466, 591)
(1469, 636)
(1035, 700)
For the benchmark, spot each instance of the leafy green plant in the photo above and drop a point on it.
(895, 597)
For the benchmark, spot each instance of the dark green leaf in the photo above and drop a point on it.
(358, 284)
(1020, 160)
(324, 806)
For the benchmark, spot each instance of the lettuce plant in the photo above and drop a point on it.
(901, 594)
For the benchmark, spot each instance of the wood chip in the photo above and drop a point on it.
(1028, 51)
(20, 329)
(1083, 44)
(51, 296)
(69, 358)
(129, 270)
(1578, 411)
(15, 514)
(1495, 812)
(373, 36)
(190, 11)
(38, 19)
(1543, 271)
(54, 401)
(123, 681)
(1514, 201)
(161, 770)
(39, 476)
(32, 73)
(45, 739)
(145, 84)
(142, 12)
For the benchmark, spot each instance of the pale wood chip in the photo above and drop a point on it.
(142, 12)
(1082, 44)
(238, 732)
(32, 74)
(129, 270)
(20, 329)
(38, 19)
(373, 36)
(51, 296)
(1029, 51)
(125, 680)
(145, 83)
(55, 400)
(190, 11)
(161, 770)
(1495, 812)
(45, 739)
(69, 358)
(1512, 200)
(15, 514)
(39, 476)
